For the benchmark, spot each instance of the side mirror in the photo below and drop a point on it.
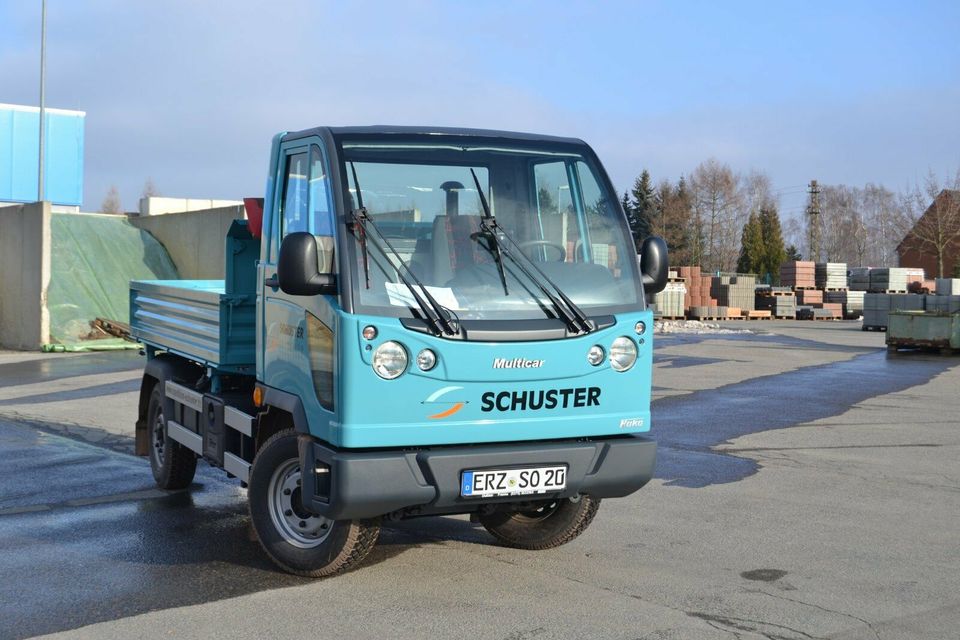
(298, 267)
(654, 265)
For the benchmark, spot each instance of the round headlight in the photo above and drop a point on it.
(640, 327)
(623, 353)
(595, 355)
(390, 360)
(426, 360)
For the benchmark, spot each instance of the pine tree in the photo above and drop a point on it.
(751, 247)
(793, 254)
(774, 253)
(643, 206)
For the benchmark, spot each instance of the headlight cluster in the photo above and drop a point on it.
(390, 359)
(623, 353)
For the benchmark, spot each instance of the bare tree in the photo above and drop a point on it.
(716, 208)
(149, 189)
(937, 228)
(111, 203)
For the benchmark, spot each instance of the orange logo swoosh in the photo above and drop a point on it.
(449, 412)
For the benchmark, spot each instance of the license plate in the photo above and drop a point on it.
(512, 482)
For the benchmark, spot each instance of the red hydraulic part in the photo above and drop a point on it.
(254, 207)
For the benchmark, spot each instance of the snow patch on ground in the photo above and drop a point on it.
(692, 326)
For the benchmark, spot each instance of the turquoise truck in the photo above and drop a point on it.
(413, 322)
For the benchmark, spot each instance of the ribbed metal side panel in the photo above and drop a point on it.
(195, 319)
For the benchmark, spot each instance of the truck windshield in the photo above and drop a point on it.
(553, 203)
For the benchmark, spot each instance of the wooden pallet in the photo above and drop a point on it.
(834, 289)
(775, 294)
(872, 327)
(758, 318)
(707, 318)
(804, 288)
(886, 291)
(671, 318)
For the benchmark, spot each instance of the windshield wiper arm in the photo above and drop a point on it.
(488, 230)
(435, 314)
(571, 315)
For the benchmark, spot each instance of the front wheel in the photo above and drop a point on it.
(298, 541)
(545, 525)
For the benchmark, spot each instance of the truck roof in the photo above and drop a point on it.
(386, 130)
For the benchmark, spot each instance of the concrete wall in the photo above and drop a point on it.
(159, 205)
(24, 275)
(194, 239)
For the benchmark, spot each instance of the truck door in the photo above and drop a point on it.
(297, 335)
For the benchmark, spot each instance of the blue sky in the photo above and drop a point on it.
(189, 93)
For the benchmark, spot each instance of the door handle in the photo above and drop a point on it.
(273, 282)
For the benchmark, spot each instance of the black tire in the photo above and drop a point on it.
(297, 541)
(173, 465)
(552, 524)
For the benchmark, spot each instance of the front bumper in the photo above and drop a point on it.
(348, 485)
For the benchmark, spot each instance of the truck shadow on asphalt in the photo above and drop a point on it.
(687, 427)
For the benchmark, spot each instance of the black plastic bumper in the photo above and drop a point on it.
(347, 485)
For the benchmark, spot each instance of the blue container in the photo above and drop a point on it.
(19, 155)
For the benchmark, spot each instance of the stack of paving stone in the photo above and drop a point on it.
(808, 297)
(915, 279)
(876, 306)
(852, 301)
(799, 274)
(669, 302)
(835, 309)
(698, 289)
(734, 291)
(781, 302)
(889, 280)
(942, 304)
(831, 275)
(948, 286)
(858, 279)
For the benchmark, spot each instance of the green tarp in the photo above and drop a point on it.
(93, 258)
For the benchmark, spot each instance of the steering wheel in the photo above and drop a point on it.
(543, 243)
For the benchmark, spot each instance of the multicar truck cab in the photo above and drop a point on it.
(414, 322)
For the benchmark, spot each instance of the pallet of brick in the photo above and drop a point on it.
(809, 296)
(799, 274)
(831, 275)
(858, 279)
(825, 314)
(889, 280)
(835, 308)
(947, 286)
(852, 302)
(758, 314)
(734, 291)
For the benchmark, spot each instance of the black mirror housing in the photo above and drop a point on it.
(298, 267)
(654, 265)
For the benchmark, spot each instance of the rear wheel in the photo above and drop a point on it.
(296, 540)
(545, 525)
(173, 465)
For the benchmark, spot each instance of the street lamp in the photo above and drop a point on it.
(43, 73)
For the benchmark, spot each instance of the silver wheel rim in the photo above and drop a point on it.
(159, 441)
(296, 526)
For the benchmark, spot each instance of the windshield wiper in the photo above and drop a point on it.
(569, 312)
(488, 230)
(434, 314)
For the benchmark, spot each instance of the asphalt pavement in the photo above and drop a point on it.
(807, 486)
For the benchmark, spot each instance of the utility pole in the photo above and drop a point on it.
(43, 78)
(814, 233)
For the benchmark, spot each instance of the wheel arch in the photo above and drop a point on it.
(159, 369)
